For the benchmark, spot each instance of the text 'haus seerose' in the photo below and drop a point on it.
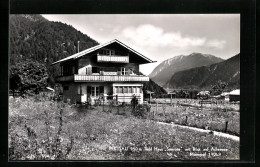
(105, 70)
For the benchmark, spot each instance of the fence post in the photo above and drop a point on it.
(164, 108)
(153, 114)
(175, 106)
(171, 99)
(156, 106)
(211, 104)
(226, 127)
(103, 103)
(186, 120)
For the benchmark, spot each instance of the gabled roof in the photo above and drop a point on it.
(89, 50)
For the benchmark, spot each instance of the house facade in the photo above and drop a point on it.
(103, 71)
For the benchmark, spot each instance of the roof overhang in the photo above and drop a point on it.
(92, 49)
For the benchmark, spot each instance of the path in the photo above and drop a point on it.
(236, 138)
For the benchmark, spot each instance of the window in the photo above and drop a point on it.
(120, 89)
(123, 71)
(129, 89)
(134, 89)
(95, 69)
(95, 90)
(112, 52)
(125, 89)
(92, 91)
(138, 90)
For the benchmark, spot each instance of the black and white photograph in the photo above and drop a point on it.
(124, 87)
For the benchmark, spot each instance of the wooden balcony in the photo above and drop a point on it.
(113, 58)
(103, 78)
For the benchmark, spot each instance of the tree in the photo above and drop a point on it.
(218, 88)
(28, 76)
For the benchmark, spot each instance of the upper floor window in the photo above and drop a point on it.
(123, 71)
(95, 69)
(107, 52)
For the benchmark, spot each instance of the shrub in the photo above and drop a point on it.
(141, 110)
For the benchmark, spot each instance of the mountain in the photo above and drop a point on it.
(163, 72)
(205, 77)
(36, 38)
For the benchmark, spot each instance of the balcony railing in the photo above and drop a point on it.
(113, 58)
(103, 78)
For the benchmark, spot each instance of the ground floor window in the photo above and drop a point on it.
(95, 90)
(128, 89)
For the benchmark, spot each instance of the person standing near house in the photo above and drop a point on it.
(89, 101)
(134, 102)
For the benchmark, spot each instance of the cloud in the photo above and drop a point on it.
(218, 44)
(151, 36)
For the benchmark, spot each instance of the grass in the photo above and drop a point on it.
(201, 118)
(80, 134)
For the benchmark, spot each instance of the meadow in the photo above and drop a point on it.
(48, 130)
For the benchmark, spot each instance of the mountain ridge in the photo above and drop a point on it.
(167, 68)
(206, 76)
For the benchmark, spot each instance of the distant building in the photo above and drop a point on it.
(234, 95)
(110, 69)
(203, 94)
(225, 96)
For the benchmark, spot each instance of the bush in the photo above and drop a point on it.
(141, 110)
(28, 76)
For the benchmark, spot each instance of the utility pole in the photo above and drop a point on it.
(78, 46)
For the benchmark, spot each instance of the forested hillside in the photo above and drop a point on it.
(34, 37)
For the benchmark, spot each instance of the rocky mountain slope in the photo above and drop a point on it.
(204, 77)
(163, 72)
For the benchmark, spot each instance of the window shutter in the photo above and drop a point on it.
(89, 70)
(88, 89)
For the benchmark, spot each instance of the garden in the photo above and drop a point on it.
(41, 129)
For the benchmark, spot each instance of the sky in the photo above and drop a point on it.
(162, 36)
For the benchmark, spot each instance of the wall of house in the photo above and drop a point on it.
(68, 68)
(90, 60)
(72, 92)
